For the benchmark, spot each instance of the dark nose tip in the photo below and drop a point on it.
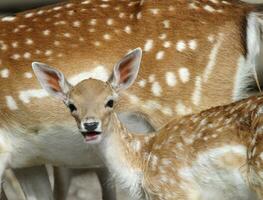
(91, 126)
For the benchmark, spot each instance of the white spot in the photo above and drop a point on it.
(151, 78)
(261, 155)
(107, 36)
(56, 43)
(211, 38)
(97, 43)
(15, 56)
(57, 8)
(60, 23)
(171, 8)
(159, 55)
(148, 45)
(76, 24)
(121, 15)
(152, 105)
(167, 44)
(28, 75)
(193, 6)
(67, 35)
(4, 73)
(156, 89)
(170, 79)
(8, 19)
(166, 23)
(212, 58)
(48, 52)
(163, 36)
(136, 145)
(154, 11)
(142, 83)
(109, 21)
(192, 44)
(167, 111)
(184, 74)
(181, 109)
(14, 44)
(85, 2)
(46, 32)
(26, 95)
(93, 22)
(139, 15)
(196, 97)
(3, 46)
(104, 5)
(11, 103)
(29, 41)
(154, 161)
(99, 73)
(134, 99)
(209, 8)
(180, 45)
(40, 12)
(27, 55)
(127, 29)
(28, 15)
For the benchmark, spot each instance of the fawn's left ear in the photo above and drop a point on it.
(126, 70)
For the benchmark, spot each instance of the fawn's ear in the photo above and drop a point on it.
(52, 80)
(126, 70)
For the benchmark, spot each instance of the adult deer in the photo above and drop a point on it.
(195, 52)
(216, 154)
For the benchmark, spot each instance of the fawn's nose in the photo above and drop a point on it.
(91, 126)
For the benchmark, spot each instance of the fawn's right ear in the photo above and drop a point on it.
(52, 80)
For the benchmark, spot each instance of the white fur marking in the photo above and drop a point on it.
(148, 45)
(212, 58)
(184, 74)
(99, 73)
(4, 73)
(26, 95)
(170, 79)
(11, 104)
(159, 55)
(180, 46)
(8, 19)
(192, 44)
(156, 89)
(196, 97)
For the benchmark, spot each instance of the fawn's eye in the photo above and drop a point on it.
(72, 107)
(109, 103)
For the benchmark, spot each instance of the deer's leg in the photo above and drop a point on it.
(3, 196)
(34, 182)
(3, 162)
(62, 179)
(107, 185)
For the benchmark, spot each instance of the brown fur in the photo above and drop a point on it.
(78, 53)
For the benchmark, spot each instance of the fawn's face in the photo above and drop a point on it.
(91, 101)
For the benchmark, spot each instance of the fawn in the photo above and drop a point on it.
(201, 49)
(215, 154)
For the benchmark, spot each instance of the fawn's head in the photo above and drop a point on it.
(91, 101)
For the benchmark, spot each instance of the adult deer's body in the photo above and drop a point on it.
(216, 154)
(194, 52)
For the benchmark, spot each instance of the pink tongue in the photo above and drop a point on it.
(90, 136)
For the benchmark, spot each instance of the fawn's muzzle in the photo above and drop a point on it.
(92, 126)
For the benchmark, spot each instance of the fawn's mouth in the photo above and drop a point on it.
(89, 136)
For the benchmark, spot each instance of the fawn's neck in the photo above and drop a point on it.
(132, 149)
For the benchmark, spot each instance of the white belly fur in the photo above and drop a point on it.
(58, 145)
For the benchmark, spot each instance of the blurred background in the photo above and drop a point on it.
(84, 186)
